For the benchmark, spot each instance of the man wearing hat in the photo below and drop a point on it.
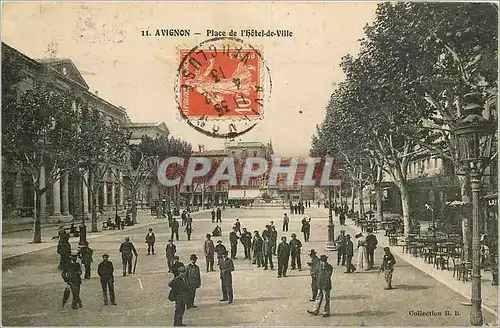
(233, 242)
(295, 246)
(324, 283)
(283, 254)
(193, 279)
(170, 250)
(314, 268)
(246, 240)
(85, 254)
(341, 244)
(179, 294)
(371, 245)
(105, 271)
(209, 253)
(176, 264)
(349, 253)
(127, 248)
(388, 267)
(257, 246)
(226, 277)
(150, 240)
(72, 276)
(220, 249)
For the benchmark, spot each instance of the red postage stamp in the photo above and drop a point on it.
(222, 87)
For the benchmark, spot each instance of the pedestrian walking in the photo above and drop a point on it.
(193, 279)
(324, 283)
(237, 225)
(189, 220)
(183, 217)
(349, 253)
(85, 254)
(314, 270)
(371, 245)
(295, 247)
(246, 240)
(150, 240)
(220, 249)
(174, 227)
(176, 264)
(209, 253)
(105, 271)
(189, 231)
(64, 251)
(219, 215)
(257, 244)
(342, 218)
(72, 275)
(286, 220)
(179, 294)
(306, 229)
(127, 248)
(226, 277)
(283, 254)
(170, 251)
(213, 215)
(388, 267)
(273, 237)
(268, 254)
(233, 242)
(362, 254)
(341, 246)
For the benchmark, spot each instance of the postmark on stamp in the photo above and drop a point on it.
(222, 88)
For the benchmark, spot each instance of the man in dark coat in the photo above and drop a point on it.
(174, 226)
(286, 220)
(220, 249)
(237, 225)
(64, 250)
(193, 279)
(85, 254)
(295, 247)
(183, 217)
(306, 229)
(226, 277)
(342, 218)
(371, 245)
(273, 237)
(324, 281)
(314, 269)
(180, 293)
(72, 275)
(283, 254)
(349, 253)
(341, 244)
(213, 215)
(105, 271)
(388, 267)
(233, 242)
(219, 215)
(268, 254)
(150, 240)
(189, 231)
(170, 250)
(176, 264)
(257, 244)
(127, 248)
(209, 248)
(246, 240)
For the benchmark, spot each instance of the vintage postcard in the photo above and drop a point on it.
(249, 163)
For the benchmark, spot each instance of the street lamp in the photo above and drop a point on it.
(330, 246)
(83, 227)
(473, 141)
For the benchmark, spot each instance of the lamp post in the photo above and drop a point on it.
(83, 227)
(473, 141)
(330, 246)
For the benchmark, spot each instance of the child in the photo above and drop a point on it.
(387, 266)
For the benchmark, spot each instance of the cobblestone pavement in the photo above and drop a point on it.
(32, 286)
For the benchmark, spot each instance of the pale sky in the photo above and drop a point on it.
(104, 42)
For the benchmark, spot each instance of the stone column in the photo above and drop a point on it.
(85, 194)
(113, 192)
(56, 193)
(43, 198)
(19, 191)
(105, 194)
(65, 195)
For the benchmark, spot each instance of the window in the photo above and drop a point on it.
(435, 162)
(255, 153)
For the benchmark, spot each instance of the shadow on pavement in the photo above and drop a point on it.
(348, 297)
(364, 314)
(239, 301)
(411, 287)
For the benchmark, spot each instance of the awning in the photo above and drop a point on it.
(243, 194)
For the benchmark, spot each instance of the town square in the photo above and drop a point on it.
(294, 164)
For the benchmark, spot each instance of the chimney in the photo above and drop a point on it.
(201, 148)
(97, 93)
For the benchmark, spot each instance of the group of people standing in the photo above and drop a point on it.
(299, 208)
(366, 249)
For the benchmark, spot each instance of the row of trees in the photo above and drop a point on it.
(406, 91)
(48, 132)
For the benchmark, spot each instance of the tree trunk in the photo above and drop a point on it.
(134, 207)
(213, 196)
(466, 212)
(379, 195)
(352, 198)
(360, 201)
(37, 220)
(94, 191)
(405, 204)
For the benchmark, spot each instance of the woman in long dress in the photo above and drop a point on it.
(362, 254)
